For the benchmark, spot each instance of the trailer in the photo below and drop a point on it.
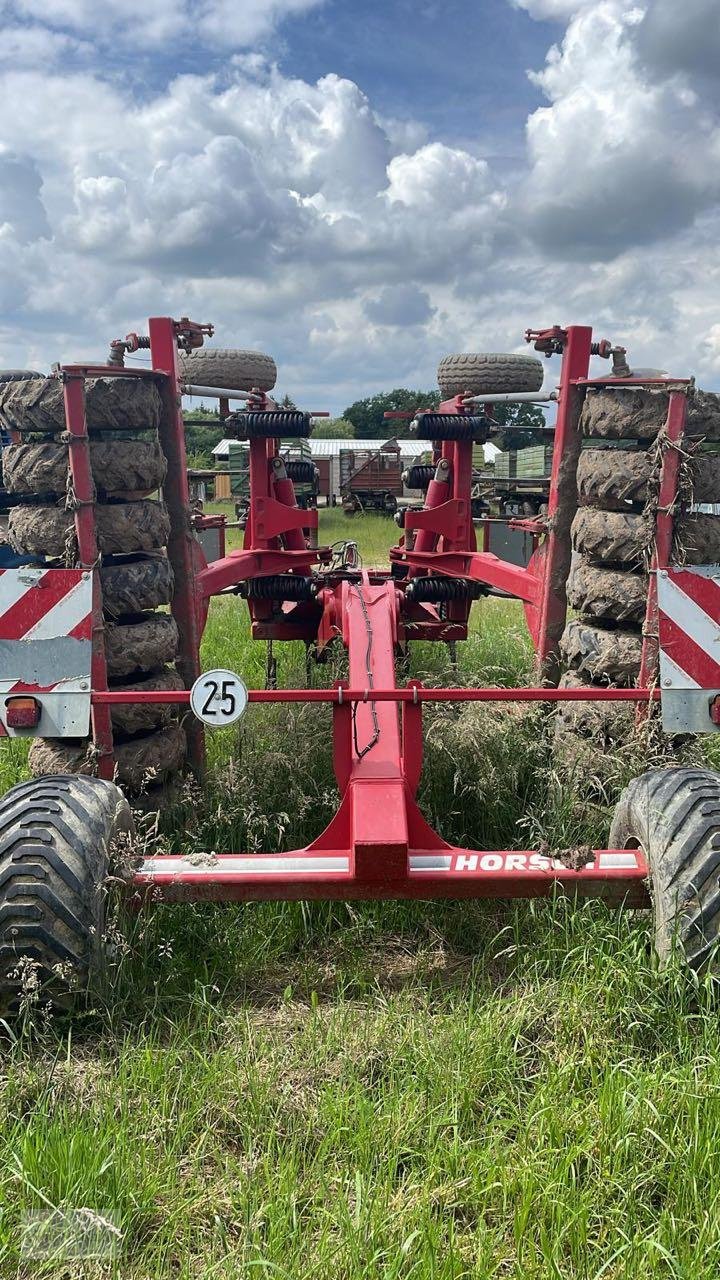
(371, 480)
(60, 653)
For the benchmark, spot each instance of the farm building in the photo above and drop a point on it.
(326, 456)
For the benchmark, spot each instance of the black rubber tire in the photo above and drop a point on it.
(56, 835)
(612, 478)
(112, 404)
(236, 370)
(118, 466)
(121, 527)
(476, 374)
(627, 414)
(605, 656)
(139, 763)
(673, 815)
(18, 375)
(607, 593)
(140, 644)
(143, 717)
(611, 537)
(607, 724)
(133, 585)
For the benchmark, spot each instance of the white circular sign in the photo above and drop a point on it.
(218, 698)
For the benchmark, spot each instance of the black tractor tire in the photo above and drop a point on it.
(143, 717)
(611, 537)
(134, 584)
(612, 478)
(607, 593)
(56, 835)
(236, 370)
(607, 724)
(143, 643)
(476, 374)
(111, 404)
(139, 763)
(673, 815)
(605, 656)
(118, 466)
(619, 537)
(18, 375)
(121, 527)
(624, 413)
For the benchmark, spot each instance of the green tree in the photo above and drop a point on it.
(333, 429)
(510, 418)
(202, 435)
(367, 415)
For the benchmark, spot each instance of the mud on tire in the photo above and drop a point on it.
(133, 584)
(631, 414)
(121, 527)
(673, 815)
(236, 370)
(610, 537)
(607, 656)
(607, 593)
(603, 723)
(117, 404)
(138, 763)
(139, 717)
(140, 644)
(131, 466)
(55, 839)
(612, 477)
(481, 374)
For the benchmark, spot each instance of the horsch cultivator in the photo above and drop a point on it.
(97, 676)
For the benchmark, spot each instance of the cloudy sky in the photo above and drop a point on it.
(360, 188)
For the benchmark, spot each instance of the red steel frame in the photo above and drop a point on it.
(378, 844)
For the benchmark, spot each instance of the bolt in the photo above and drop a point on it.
(667, 682)
(83, 684)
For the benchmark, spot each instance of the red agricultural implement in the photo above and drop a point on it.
(378, 845)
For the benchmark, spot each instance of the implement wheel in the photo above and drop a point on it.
(673, 815)
(55, 840)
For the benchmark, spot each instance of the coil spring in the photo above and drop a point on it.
(434, 590)
(419, 477)
(300, 472)
(452, 426)
(279, 586)
(274, 422)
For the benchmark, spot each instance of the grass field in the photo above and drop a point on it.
(345, 1092)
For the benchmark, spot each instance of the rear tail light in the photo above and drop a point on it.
(22, 713)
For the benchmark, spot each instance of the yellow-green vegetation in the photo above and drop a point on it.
(425, 1091)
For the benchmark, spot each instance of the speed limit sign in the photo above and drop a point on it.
(218, 698)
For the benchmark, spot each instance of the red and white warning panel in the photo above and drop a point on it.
(689, 616)
(45, 651)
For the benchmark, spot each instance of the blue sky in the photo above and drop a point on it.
(361, 189)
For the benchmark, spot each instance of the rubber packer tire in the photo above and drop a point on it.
(143, 717)
(121, 527)
(673, 815)
(133, 586)
(111, 404)
(139, 763)
(610, 657)
(619, 537)
(236, 370)
(479, 374)
(607, 593)
(604, 723)
(625, 414)
(610, 478)
(118, 466)
(55, 839)
(141, 644)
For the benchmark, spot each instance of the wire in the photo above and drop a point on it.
(370, 685)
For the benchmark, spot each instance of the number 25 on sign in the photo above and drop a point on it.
(218, 698)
